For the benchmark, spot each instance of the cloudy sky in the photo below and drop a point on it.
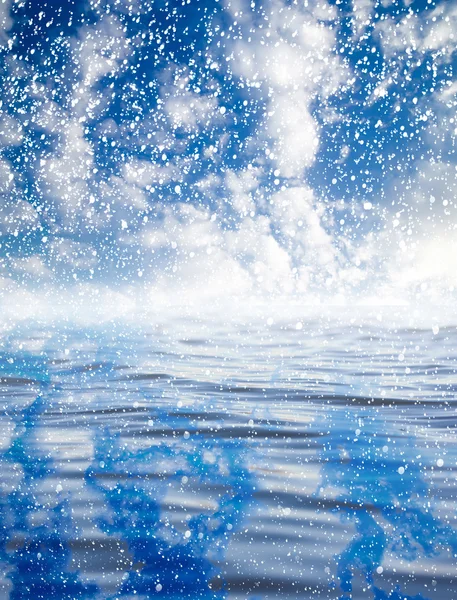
(177, 152)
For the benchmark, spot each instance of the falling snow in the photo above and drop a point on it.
(228, 274)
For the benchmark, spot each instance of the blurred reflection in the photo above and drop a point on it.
(175, 504)
(36, 528)
(377, 479)
(163, 467)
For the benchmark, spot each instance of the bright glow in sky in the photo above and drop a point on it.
(157, 153)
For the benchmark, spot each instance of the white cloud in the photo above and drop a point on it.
(416, 32)
(183, 227)
(266, 262)
(299, 216)
(190, 111)
(5, 21)
(362, 12)
(16, 215)
(6, 177)
(77, 255)
(441, 31)
(293, 61)
(31, 265)
(285, 250)
(240, 185)
(101, 49)
(11, 131)
(449, 93)
(430, 267)
(418, 245)
(295, 133)
(65, 179)
(145, 173)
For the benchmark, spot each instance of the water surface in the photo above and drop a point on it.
(237, 462)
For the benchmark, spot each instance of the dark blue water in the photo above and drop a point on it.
(262, 462)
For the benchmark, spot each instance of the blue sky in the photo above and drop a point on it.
(277, 148)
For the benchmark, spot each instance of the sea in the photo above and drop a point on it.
(276, 460)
